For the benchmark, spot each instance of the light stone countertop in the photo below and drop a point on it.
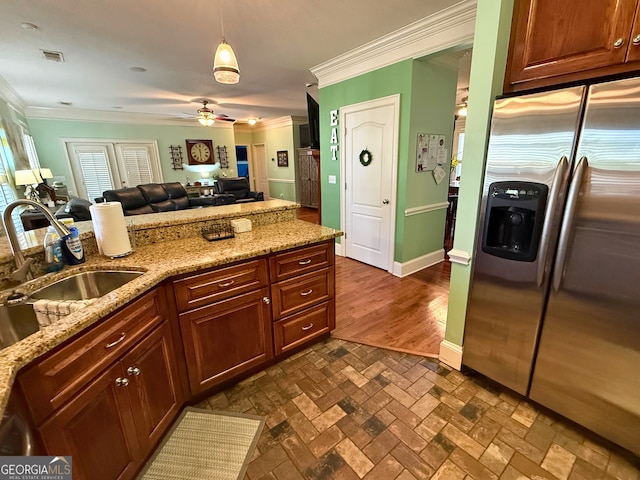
(159, 261)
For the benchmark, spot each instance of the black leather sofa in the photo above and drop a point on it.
(161, 197)
(239, 188)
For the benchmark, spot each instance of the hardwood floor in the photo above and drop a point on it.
(375, 308)
(308, 214)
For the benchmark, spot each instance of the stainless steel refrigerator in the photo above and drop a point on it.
(554, 310)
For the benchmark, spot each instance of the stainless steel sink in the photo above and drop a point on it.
(16, 322)
(85, 285)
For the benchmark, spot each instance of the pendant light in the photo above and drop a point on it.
(205, 115)
(225, 64)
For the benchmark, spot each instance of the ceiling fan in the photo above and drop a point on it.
(207, 117)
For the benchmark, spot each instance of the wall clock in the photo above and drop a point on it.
(200, 152)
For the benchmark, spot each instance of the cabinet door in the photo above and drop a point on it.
(226, 338)
(154, 386)
(551, 38)
(96, 428)
(633, 52)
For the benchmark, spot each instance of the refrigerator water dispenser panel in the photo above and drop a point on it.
(513, 220)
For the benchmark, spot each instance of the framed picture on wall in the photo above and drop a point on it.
(283, 158)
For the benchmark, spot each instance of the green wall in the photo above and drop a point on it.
(427, 100)
(433, 98)
(281, 179)
(493, 23)
(48, 136)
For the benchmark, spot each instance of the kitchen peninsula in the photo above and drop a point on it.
(284, 287)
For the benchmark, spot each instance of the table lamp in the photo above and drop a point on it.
(44, 174)
(28, 179)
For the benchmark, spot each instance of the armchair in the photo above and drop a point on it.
(239, 188)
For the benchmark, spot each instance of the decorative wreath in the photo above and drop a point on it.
(365, 157)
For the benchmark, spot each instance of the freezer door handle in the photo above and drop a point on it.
(567, 220)
(554, 195)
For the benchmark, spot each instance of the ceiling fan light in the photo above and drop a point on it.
(225, 65)
(206, 121)
(252, 121)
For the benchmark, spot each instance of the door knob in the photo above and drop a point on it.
(385, 201)
(122, 382)
(133, 371)
(618, 43)
(266, 300)
(636, 40)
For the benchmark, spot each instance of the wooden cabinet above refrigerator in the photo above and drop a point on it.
(554, 43)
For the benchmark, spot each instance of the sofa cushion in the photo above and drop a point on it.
(132, 200)
(77, 208)
(174, 190)
(153, 192)
(181, 203)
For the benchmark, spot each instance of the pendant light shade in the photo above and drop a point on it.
(225, 65)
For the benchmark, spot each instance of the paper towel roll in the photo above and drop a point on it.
(110, 229)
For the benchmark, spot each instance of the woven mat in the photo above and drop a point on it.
(205, 444)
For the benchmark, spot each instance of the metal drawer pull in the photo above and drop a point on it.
(122, 382)
(113, 344)
(308, 327)
(133, 371)
(308, 292)
(228, 284)
(266, 300)
(304, 262)
(636, 40)
(618, 43)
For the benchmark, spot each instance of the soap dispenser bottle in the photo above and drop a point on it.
(72, 250)
(52, 251)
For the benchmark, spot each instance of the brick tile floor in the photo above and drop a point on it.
(341, 410)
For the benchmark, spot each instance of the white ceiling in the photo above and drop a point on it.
(276, 43)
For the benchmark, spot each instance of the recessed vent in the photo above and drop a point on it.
(53, 56)
(66, 104)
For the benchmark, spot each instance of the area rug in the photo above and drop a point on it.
(205, 444)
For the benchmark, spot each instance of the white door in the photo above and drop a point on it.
(100, 166)
(260, 169)
(369, 161)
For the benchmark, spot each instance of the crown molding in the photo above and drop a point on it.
(11, 96)
(453, 26)
(101, 116)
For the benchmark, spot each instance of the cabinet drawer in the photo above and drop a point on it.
(199, 290)
(302, 260)
(301, 292)
(51, 382)
(304, 326)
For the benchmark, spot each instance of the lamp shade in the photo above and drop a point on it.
(25, 177)
(225, 65)
(45, 173)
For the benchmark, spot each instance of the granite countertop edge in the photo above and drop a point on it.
(189, 255)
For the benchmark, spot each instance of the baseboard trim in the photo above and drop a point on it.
(451, 354)
(417, 264)
(339, 249)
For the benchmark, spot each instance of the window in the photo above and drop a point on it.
(30, 148)
(7, 193)
(100, 166)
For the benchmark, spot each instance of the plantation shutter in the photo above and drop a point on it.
(30, 148)
(7, 194)
(137, 165)
(94, 164)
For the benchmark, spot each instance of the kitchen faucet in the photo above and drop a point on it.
(22, 271)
